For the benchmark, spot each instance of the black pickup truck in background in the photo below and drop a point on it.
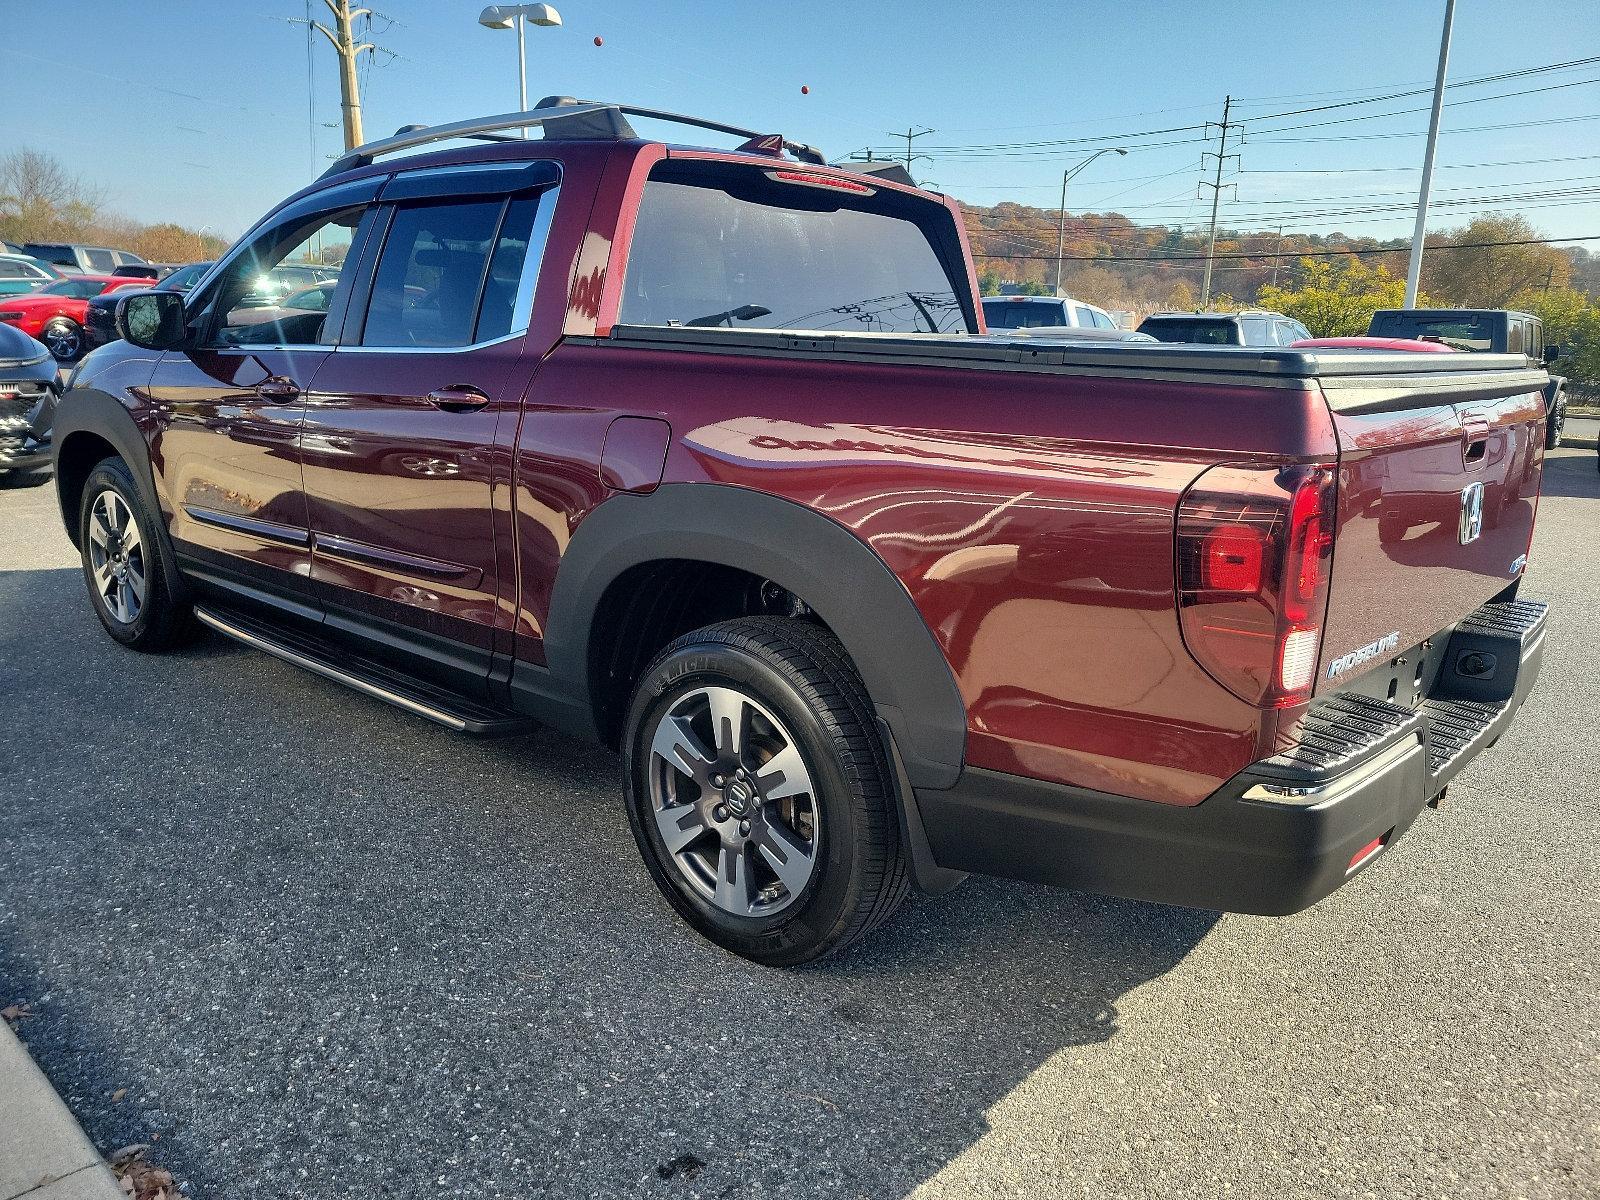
(1485, 331)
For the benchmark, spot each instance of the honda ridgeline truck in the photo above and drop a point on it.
(698, 453)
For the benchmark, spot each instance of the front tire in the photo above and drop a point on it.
(124, 563)
(63, 338)
(759, 791)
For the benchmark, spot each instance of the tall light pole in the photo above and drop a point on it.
(1414, 271)
(516, 16)
(1061, 221)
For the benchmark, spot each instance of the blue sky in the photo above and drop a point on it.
(196, 110)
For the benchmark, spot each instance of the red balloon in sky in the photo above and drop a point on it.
(598, 41)
(804, 90)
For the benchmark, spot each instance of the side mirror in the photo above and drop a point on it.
(1551, 353)
(154, 320)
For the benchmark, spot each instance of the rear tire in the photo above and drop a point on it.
(125, 564)
(1554, 428)
(751, 744)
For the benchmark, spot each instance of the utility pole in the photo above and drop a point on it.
(1276, 256)
(909, 135)
(1216, 187)
(1414, 271)
(348, 50)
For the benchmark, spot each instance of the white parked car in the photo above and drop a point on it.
(1043, 314)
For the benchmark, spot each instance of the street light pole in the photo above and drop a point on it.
(517, 16)
(522, 63)
(1414, 271)
(1061, 216)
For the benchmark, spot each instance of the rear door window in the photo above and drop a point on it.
(1514, 337)
(100, 260)
(449, 274)
(1257, 332)
(1102, 320)
(740, 248)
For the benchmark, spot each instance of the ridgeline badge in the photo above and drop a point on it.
(1384, 646)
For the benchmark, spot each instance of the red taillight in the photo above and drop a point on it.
(1255, 545)
(1231, 558)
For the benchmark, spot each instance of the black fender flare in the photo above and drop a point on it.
(90, 410)
(846, 584)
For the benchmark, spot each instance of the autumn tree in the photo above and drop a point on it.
(41, 200)
(1336, 297)
(1571, 321)
(1460, 269)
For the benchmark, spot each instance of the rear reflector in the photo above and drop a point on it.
(1367, 851)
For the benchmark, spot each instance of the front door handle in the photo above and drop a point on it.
(278, 388)
(458, 398)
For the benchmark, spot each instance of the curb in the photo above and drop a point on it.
(44, 1155)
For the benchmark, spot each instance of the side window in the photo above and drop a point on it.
(1514, 337)
(252, 295)
(1255, 332)
(1535, 339)
(448, 274)
(1081, 317)
(100, 260)
(1102, 320)
(10, 269)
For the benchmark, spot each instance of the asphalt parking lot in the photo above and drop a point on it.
(307, 945)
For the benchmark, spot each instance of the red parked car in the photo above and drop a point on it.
(699, 453)
(55, 313)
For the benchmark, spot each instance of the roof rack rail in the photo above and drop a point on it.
(560, 117)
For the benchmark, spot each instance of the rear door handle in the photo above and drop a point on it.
(278, 388)
(458, 398)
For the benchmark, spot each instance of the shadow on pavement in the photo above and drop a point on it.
(319, 941)
(1569, 473)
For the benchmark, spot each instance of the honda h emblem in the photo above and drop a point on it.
(1471, 512)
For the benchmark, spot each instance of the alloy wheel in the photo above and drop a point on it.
(734, 802)
(63, 341)
(116, 557)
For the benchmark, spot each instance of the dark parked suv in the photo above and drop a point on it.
(1484, 331)
(696, 452)
(1252, 327)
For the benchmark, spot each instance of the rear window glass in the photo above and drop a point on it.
(760, 254)
(1180, 329)
(1023, 314)
(1464, 332)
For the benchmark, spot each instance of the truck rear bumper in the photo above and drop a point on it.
(1283, 833)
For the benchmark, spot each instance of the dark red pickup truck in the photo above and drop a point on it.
(694, 452)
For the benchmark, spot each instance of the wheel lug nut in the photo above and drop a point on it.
(744, 828)
(717, 781)
(720, 813)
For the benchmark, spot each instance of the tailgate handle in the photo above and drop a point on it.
(1475, 430)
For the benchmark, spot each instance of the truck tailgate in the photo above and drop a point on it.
(1439, 478)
